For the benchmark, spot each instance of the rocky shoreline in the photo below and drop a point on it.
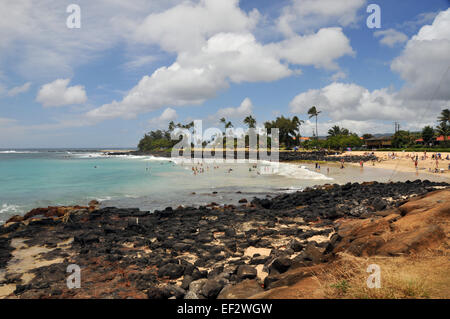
(318, 156)
(192, 253)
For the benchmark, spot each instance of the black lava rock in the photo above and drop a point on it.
(173, 271)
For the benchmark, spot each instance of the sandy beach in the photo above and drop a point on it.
(403, 162)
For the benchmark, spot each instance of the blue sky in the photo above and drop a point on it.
(135, 66)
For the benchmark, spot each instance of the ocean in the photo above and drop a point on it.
(41, 178)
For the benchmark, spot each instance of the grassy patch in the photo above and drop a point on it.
(418, 277)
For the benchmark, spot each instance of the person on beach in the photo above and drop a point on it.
(415, 164)
(342, 163)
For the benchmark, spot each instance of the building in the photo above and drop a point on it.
(436, 140)
(379, 142)
(303, 139)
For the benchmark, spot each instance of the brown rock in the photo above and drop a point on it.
(15, 219)
(246, 272)
(242, 290)
(420, 224)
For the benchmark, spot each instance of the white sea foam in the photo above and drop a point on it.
(9, 209)
(18, 152)
(291, 189)
(88, 155)
(102, 199)
(156, 158)
(294, 171)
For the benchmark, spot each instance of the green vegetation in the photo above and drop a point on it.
(402, 139)
(444, 124)
(427, 134)
(289, 130)
(312, 112)
(250, 121)
(339, 138)
(156, 140)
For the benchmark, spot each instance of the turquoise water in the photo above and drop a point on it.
(41, 178)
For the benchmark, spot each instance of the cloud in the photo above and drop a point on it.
(339, 75)
(240, 112)
(418, 21)
(425, 67)
(19, 89)
(214, 47)
(168, 115)
(358, 127)
(35, 37)
(186, 27)
(304, 15)
(424, 62)
(6, 121)
(212, 42)
(139, 62)
(57, 93)
(391, 37)
(193, 78)
(224, 58)
(342, 101)
(320, 49)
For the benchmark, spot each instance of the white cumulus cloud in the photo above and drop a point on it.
(320, 49)
(186, 27)
(301, 15)
(19, 89)
(424, 62)
(239, 112)
(424, 65)
(166, 116)
(57, 93)
(391, 37)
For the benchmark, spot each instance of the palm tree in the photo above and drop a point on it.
(444, 123)
(334, 131)
(313, 112)
(188, 126)
(226, 124)
(338, 131)
(443, 129)
(445, 116)
(250, 121)
(298, 123)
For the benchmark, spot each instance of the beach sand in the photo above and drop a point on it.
(402, 162)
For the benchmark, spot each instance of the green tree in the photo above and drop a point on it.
(250, 121)
(336, 131)
(313, 112)
(443, 129)
(444, 123)
(402, 139)
(427, 134)
(297, 122)
(227, 124)
(288, 129)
